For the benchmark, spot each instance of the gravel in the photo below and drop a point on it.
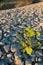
(11, 22)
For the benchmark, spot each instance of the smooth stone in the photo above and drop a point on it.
(6, 48)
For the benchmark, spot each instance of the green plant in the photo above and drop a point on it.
(25, 41)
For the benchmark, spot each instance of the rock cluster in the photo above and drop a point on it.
(11, 22)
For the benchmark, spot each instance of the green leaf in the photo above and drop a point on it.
(27, 29)
(23, 44)
(38, 33)
(28, 42)
(28, 50)
(30, 32)
(19, 35)
(39, 44)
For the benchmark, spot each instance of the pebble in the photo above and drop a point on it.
(41, 24)
(13, 49)
(1, 43)
(9, 55)
(6, 48)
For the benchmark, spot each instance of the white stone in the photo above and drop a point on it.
(9, 55)
(41, 24)
(1, 43)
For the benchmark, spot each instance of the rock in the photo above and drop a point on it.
(6, 48)
(41, 24)
(3, 20)
(9, 55)
(17, 61)
(0, 34)
(0, 54)
(13, 49)
(21, 26)
(1, 43)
